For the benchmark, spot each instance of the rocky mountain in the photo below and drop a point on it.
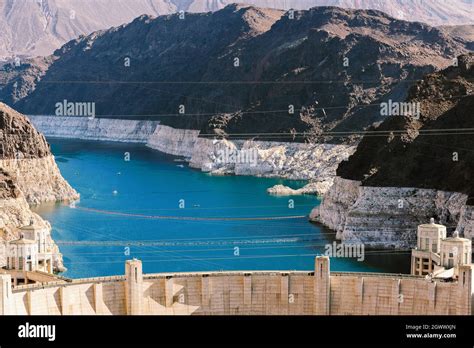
(433, 12)
(464, 32)
(435, 151)
(8, 188)
(38, 27)
(408, 170)
(26, 157)
(20, 140)
(239, 70)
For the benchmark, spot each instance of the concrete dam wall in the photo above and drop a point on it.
(242, 293)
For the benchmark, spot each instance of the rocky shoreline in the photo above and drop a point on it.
(386, 217)
(318, 188)
(131, 131)
(39, 180)
(296, 161)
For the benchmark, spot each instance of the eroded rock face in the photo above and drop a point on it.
(19, 138)
(173, 141)
(14, 209)
(336, 203)
(387, 217)
(132, 131)
(466, 221)
(318, 188)
(39, 180)
(7, 186)
(274, 159)
(315, 162)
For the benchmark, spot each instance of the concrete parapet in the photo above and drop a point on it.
(245, 293)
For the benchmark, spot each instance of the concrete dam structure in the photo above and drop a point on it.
(319, 292)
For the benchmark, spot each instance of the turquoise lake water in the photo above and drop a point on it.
(121, 201)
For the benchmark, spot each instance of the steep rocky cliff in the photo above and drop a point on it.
(412, 170)
(25, 155)
(387, 217)
(238, 70)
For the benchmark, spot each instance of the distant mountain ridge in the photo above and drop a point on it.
(37, 27)
(281, 62)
